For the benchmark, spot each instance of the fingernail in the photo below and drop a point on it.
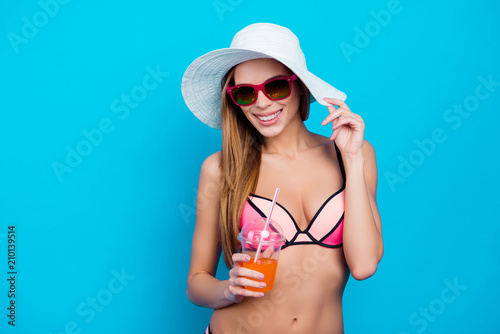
(261, 276)
(247, 258)
(262, 285)
(261, 294)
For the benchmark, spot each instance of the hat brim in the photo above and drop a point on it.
(201, 83)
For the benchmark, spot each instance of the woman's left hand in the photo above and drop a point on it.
(348, 129)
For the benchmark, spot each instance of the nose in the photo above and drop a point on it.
(262, 100)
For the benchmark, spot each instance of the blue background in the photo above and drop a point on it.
(125, 208)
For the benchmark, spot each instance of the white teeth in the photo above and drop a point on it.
(268, 118)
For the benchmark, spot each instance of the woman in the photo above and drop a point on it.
(258, 92)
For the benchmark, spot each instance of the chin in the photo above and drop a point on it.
(271, 131)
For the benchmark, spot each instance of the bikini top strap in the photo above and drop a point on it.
(341, 163)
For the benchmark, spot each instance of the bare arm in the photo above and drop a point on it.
(203, 288)
(362, 236)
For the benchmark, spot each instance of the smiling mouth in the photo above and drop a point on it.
(270, 117)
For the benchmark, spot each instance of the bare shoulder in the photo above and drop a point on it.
(208, 197)
(368, 150)
(210, 168)
(320, 139)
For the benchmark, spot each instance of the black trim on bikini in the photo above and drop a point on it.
(256, 208)
(322, 206)
(281, 206)
(262, 214)
(290, 215)
(306, 231)
(313, 239)
(341, 162)
(311, 243)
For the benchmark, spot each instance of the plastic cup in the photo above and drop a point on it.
(271, 240)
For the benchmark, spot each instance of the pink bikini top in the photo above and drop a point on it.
(325, 228)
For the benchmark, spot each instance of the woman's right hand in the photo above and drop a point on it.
(239, 277)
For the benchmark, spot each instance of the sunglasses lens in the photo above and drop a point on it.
(278, 89)
(243, 95)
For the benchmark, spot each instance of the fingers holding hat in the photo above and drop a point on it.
(348, 127)
(336, 102)
(335, 113)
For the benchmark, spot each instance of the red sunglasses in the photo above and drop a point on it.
(275, 89)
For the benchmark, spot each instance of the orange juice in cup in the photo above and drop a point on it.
(265, 266)
(263, 246)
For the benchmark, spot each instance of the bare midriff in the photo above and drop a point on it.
(307, 297)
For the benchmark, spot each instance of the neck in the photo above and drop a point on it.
(293, 139)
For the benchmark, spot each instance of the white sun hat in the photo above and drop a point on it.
(201, 83)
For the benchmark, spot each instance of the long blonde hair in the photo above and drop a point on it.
(240, 165)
